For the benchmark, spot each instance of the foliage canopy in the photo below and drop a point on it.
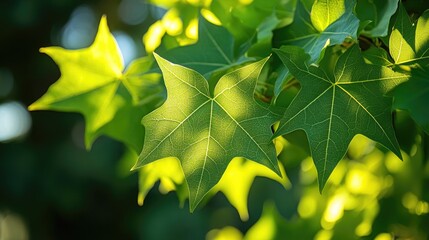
(213, 102)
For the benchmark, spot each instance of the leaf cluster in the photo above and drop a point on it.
(209, 109)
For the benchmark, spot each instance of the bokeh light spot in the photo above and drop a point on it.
(15, 121)
(132, 12)
(127, 45)
(152, 38)
(80, 30)
(226, 233)
(307, 206)
(323, 235)
(383, 236)
(393, 163)
(12, 227)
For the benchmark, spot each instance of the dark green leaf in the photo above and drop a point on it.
(332, 110)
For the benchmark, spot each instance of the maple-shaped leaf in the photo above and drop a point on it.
(413, 96)
(409, 42)
(330, 31)
(206, 131)
(92, 82)
(335, 105)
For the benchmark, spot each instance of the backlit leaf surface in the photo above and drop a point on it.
(409, 43)
(92, 82)
(206, 131)
(335, 105)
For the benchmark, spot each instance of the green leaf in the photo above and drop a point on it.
(409, 42)
(334, 105)
(143, 83)
(302, 33)
(376, 15)
(376, 56)
(247, 19)
(325, 12)
(413, 96)
(92, 83)
(206, 132)
(213, 51)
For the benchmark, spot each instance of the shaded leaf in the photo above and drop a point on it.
(376, 15)
(302, 33)
(206, 132)
(213, 51)
(413, 96)
(332, 110)
(376, 56)
(246, 20)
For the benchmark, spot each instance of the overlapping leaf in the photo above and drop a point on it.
(376, 16)
(235, 182)
(206, 132)
(408, 42)
(413, 96)
(249, 19)
(213, 51)
(335, 105)
(303, 33)
(92, 83)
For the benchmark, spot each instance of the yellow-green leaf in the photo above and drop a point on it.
(238, 178)
(325, 12)
(92, 83)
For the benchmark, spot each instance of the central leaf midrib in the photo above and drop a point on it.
(207, 148)
(329, 135)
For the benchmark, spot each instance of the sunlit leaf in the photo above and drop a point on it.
(409, 42)
(206, 132)
(238, 178)
(92, 83)
(170, 175)
(335, 105)
(325, 12)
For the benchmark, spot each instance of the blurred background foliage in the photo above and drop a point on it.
(52, 188)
